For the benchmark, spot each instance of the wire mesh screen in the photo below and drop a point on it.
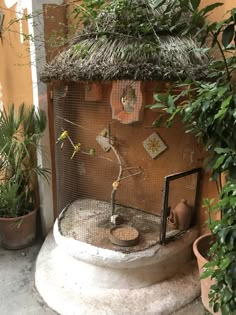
(183, 188)
(88, 111)
(85, 117)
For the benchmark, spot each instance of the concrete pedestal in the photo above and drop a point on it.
(82, 281)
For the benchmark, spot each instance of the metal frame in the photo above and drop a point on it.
(165, 206)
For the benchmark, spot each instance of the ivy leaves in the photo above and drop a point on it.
(208, 110)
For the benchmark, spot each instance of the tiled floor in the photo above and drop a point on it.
(18, 295)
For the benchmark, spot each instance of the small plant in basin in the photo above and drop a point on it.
(20, 134)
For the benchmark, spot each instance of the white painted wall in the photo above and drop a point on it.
(40, 101)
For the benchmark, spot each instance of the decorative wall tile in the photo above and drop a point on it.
(154, 145)
(103, 140)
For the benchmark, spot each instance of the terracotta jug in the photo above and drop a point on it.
(180, 216)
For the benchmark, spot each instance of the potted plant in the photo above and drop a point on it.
(208, 110)
(201, 249)
(20, 134)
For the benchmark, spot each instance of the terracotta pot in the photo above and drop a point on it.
(200, 247)
(183, 213)
(180, 216)
(18, 232)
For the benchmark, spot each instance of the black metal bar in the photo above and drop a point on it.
(165, 206)
(164, 211)
(183, 174)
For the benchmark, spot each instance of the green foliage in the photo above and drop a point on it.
(222, 266)
(209, 113)
(208, 110)
(140, 17)
(87, 11)
(9, 198)
(20, 134)
(133, 40)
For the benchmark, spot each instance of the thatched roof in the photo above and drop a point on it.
(115, 47)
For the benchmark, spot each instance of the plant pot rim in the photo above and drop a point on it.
(195, 247)
(20, 217)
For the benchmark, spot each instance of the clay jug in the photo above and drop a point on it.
(180, 216)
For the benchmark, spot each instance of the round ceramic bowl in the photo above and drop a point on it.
(123, 235)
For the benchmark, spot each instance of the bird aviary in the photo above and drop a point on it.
(111, 165)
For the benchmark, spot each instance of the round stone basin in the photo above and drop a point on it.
(95, 266)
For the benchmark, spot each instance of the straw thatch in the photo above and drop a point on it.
(114, 47)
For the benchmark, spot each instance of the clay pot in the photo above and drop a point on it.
(200, 248)
(180, 216)
(18, 232)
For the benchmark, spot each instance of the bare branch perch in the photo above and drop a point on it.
(122, 167)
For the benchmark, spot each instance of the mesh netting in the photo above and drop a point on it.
(84, 110)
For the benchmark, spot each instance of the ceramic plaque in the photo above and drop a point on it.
(103, 140)
(126, 101)
(154, 145)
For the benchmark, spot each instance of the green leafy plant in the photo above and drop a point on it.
(143, 17)
(208, 110)
(222, 265)
(20, 134)
(140, 20)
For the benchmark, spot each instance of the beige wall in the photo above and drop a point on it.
(220, 11)
(15, 70)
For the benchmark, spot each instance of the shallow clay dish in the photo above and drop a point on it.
(123, 235)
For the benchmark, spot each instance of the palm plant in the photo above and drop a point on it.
(20, 134)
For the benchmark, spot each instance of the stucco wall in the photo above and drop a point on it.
(217, 14)
(15, 69)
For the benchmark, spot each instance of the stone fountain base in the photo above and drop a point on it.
(77, 278)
